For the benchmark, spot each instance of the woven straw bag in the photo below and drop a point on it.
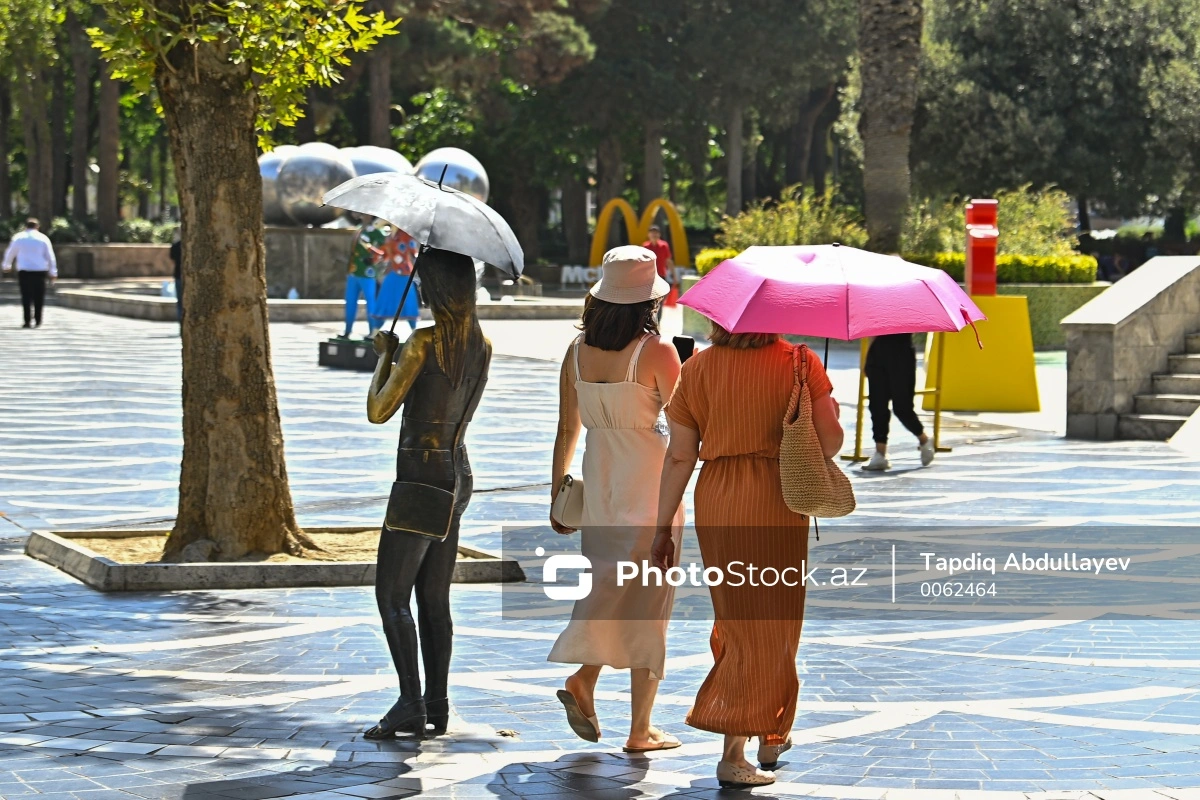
(812, 484)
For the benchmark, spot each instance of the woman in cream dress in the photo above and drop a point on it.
(615, 380)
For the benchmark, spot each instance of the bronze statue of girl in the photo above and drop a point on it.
(438, 378)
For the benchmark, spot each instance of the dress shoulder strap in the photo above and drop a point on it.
(575, 355)
(631, 371)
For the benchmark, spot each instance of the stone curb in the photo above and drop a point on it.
(106, 575)
(162, 309)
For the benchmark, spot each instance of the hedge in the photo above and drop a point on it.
(1018, 269)
(1009, 268)
(708, 258)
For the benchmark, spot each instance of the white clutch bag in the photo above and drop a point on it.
(567, 508)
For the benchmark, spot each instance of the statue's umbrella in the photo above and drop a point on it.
(435, 216)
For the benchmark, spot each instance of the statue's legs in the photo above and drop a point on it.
(436, 626)
(433, 605)
(401, 556)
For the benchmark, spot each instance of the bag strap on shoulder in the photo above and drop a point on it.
(801, 373)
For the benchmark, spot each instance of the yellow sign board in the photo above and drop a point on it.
(1001, 376)
(638, 230)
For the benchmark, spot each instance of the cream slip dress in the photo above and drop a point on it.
(624, 627)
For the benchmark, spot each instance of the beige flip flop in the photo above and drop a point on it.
(585, 727)
(669, 742)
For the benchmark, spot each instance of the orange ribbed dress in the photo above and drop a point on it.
(736, 400)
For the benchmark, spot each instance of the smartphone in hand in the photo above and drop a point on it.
(685, 346)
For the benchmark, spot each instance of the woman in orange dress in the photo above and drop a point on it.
(728, 412)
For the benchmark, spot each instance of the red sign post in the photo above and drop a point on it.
(982, 235)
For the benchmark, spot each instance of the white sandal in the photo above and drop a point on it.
(585, 727)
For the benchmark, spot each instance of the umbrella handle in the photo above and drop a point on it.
(403, 297)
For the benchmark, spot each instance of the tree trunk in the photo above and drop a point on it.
(750, 164)
(38, 145)
(819, 161)
(525, 202)
(696, 148)
(574, 219)
(652, 164)
(146, 182)
(233, 488)
(610, 183)
(800, 135)
(164, 163)
(379, 96)
(889, 44)
(733, 160)
(108, 154)
(1085, 218)
(5, 117)
(610, 170)
(58, 144)
(81, 65)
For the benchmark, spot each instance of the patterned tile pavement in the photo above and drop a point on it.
(252, 695)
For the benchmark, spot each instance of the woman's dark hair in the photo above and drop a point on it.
(612, 326)
(448, 286)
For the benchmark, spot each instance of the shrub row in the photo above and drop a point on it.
(1017, 269)
(63, 230)
(1009, 268)
(708, 258)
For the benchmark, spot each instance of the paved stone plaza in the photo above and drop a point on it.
(249, 695)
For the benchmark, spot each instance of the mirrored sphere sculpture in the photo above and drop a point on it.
(268, 166)
(369, 159)
(306, 176)
(462, 171)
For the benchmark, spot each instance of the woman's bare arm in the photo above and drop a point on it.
(829, 429)
(680, 461)
(567, 437)
(664, 361)
(390, 386)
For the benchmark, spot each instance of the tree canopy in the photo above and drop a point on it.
(1096, 97)
(717, 104)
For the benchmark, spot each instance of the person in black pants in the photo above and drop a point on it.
(892, 374)
(32, 255)
(176, 255)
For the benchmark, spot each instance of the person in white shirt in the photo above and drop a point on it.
(32, 254)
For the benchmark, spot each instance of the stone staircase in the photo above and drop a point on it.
(1176, 397)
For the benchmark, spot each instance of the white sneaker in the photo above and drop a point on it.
(927, 453)
(878, 463)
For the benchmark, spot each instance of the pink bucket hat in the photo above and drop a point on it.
(630, 275)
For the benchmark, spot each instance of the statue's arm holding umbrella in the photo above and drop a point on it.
(391, 382)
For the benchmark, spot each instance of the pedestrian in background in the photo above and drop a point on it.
(399, 252)
(176, 255)
(33, 255)
(361, 278)
(664, 261)
(892, 374)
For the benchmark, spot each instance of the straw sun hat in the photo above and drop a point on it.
(630, 275)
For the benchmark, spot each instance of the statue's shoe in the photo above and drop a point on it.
(438, 715)
(406, 716)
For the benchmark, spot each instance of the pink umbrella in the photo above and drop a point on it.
(829, 290)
